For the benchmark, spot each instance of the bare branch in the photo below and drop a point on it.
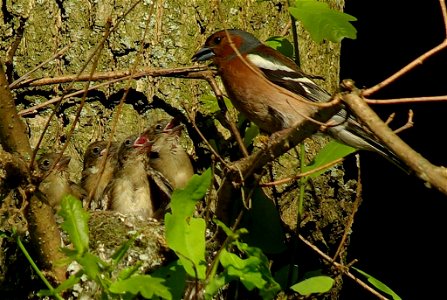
(187, 72)
(407, 100)
(433, 175)
(342, 268)
(279, 143)
(414, 63)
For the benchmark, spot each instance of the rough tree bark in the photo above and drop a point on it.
(34, 31)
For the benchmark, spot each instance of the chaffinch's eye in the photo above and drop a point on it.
(217, 40)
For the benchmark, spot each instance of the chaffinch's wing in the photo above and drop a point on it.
(282, 71)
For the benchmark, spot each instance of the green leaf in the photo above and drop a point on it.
(45, 293)
(208, 103)
(264, 224)
(250, 133)
(281, 44)
(378, 284)
(91, 264)
(317, 284)
(185, 234)
(145, 285)
(245, 269)
(75, 223)
(252, 271)
(70, 282)
(118, 255)
(187, 239)
(216, 284)
(183, 201)
(175, 277)
(331, 152)
(127, 272)
(323, 23)
(227, 230)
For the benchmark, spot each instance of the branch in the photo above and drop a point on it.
(13, 135)
(111, 77)
(187, 72)
(407, 100)
(342, 268)
(418, 61)
(42, 225)
(279, 143)
(434, 176)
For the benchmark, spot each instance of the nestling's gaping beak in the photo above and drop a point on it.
(143, 143)
(174, 127)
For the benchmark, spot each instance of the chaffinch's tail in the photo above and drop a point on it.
(351, 133)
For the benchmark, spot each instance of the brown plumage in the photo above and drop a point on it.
(56, 181)
(167, 154)
(95, 158)
(129, 190)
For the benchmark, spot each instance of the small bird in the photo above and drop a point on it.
(267, 87)
(167, 155)
(95, 180)
(56, 181)
(129, 189)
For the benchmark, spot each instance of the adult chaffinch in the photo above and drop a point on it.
(129, 191)
(56, 181)
(274, 93)
(97, 156)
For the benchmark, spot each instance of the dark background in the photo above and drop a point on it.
(400, 229)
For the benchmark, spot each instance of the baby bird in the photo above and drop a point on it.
(56, 181)
(129, 190)
(97, 172)
(167, 155)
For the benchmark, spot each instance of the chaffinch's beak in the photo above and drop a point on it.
(203, 54)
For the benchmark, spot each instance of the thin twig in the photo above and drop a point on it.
(407, 125)
(190, 72)
(310, 172)
(218, 93)
(187, 72)
(27, 74)
(342, 268)
(407, 100)
(355, 207)
(119, 108)
(418, 61)
(194, 124)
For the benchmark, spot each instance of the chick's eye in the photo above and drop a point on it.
(128, 142)
(158, 127)
(96, 150)
(46, 163)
